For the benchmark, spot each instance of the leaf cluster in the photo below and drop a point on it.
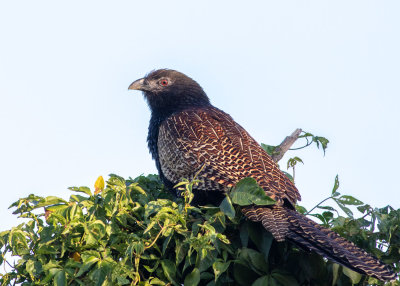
(133, 233)
(130, 232)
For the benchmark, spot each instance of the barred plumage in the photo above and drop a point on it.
(189, 136)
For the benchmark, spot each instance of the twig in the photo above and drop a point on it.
(324, 200)
(285, 145)
(158, 235)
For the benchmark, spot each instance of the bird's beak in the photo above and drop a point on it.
(138, 85)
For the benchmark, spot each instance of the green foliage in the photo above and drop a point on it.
(292, 162)
(318, 140)
(247, 192)
(270, 149)
(310, 138)
(133, 232)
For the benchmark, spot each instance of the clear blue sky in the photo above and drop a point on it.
(329, 67)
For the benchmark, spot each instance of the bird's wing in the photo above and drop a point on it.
(210, 142)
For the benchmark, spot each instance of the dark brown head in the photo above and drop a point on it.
(169, 91)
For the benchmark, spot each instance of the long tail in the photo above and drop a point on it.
(311, 236)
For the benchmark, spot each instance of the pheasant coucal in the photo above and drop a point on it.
(188, 135)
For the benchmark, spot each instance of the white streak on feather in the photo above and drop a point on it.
(241, 143)
(262, 161)
(195, 114)
(251, 155)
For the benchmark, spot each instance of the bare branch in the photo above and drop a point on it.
(285, 145)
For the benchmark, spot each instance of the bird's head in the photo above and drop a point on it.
(169, 90)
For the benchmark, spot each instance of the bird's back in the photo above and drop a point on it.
(209, 140)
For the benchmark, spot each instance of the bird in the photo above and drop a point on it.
(189, 137)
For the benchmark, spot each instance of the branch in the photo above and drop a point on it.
(285, 145)
(158, 235)
(324, 200)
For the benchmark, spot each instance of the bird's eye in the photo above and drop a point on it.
(164, 82)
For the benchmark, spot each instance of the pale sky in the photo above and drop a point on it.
(329, 67)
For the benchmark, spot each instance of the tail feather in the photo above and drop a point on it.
(311, 236)
(329, 244)
(272, 218)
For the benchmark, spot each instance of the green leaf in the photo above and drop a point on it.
(34, 268)
(85, 190)
(46, 249)
(243, 275)
(363, 208)
(50, 200)
(60, 279)
(354, 276)
(18, 242)
(325, 217)
(320, 217)
(180, 250)
(293, 162)
(247, 192)
(169, 270)
(227, 208)
(193, 278)
(254, 259)
(288, 175)
(57, 208)
(335, 187)
(74, 212)
(136, 246)
(244, 234)
(262, 281)
(156, 281)
(321, 140)
(165, 243)
(326, 208)
(301, 209)
(134, 187)
(98, 276)
(269, 149)
(348, 212)
(220, 267)
(94, 231)
(261, 238)
(350, 200)
(284, 278)
(335, 273)
(77, 198)
(88, 262)
(373, 281)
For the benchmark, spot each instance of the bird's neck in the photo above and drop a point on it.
(164, 105)
(159, 114)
